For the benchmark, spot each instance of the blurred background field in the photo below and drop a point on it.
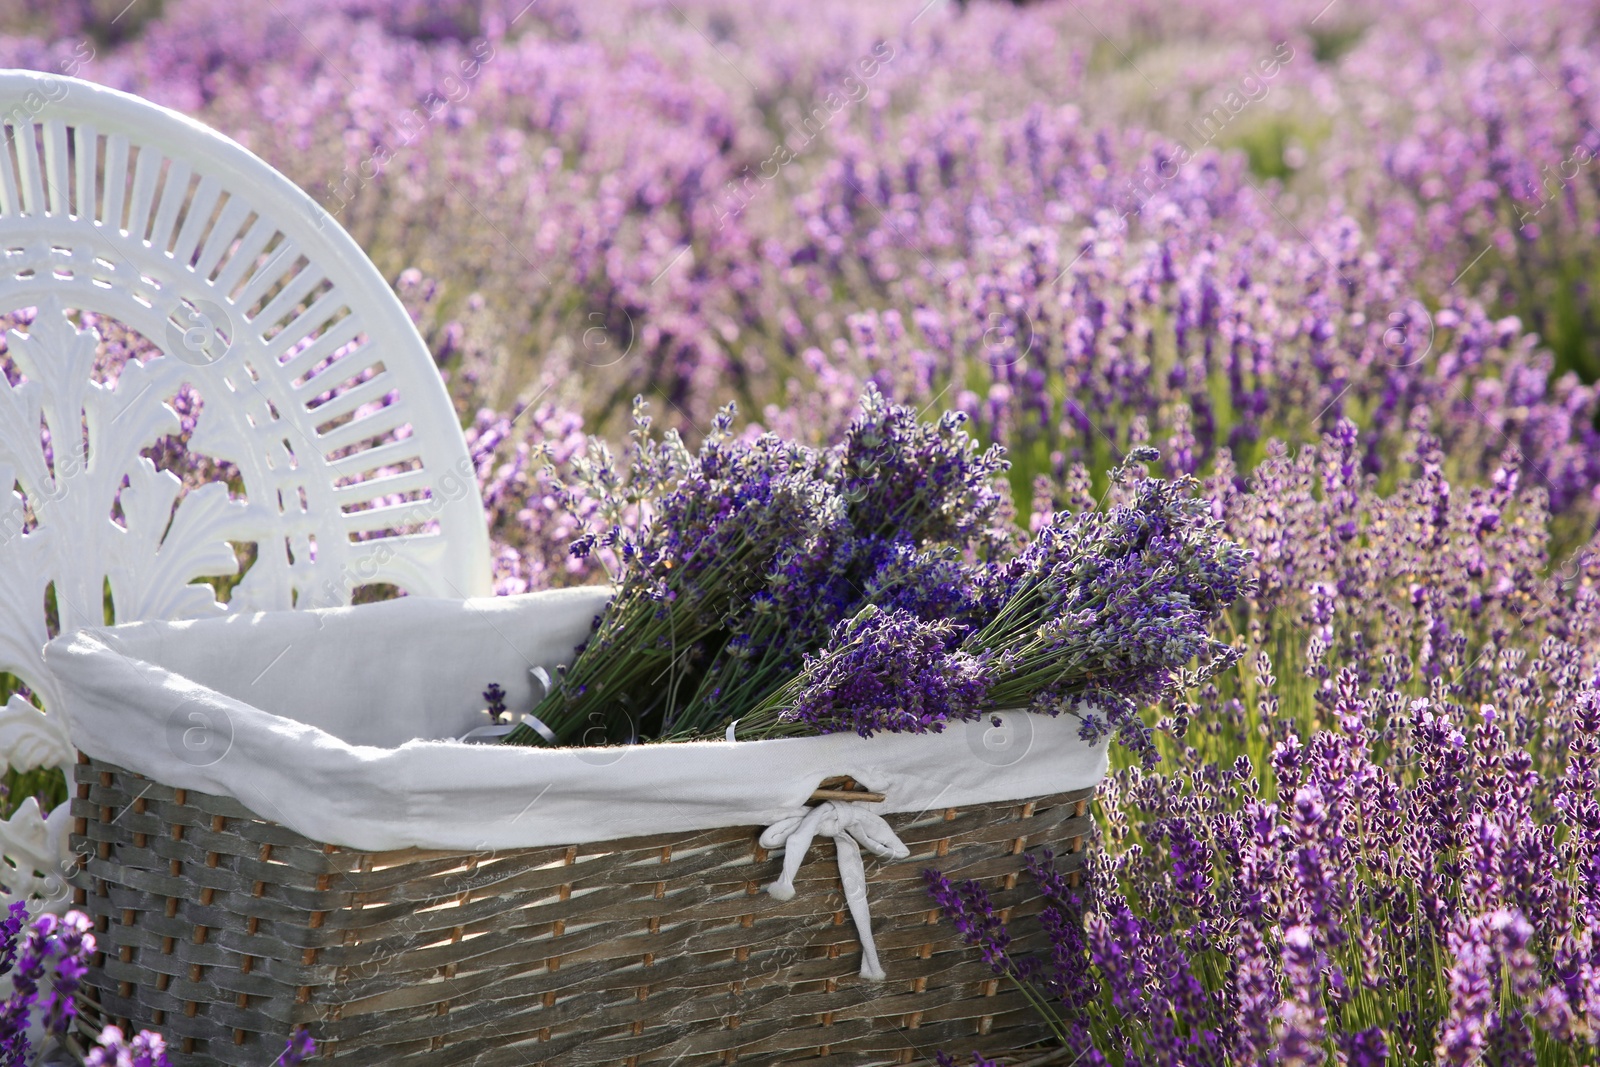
(1082, 223)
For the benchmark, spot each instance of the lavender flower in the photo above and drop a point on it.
(1302, 1016)
(146, 1049)
(906, 479)
(73, 946)
(32, 960)
(1365, 1048)
(1107, 607)
(889, 671)
(970, 910)
(300, 1049)
(495, 697)
(10, 927)
(944, 1059)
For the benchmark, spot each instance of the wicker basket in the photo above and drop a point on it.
(227, 931)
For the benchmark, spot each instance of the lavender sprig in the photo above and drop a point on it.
(881, 671)
(65, 947)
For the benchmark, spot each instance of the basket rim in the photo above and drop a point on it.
(140, 714)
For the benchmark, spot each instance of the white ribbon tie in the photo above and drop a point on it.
(852, 828)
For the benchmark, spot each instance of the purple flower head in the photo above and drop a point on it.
(944, 1059)
(10, 927)
(301, 1048)
(905, 478)
(1487, 951)
(147, 1049)
(1116, 946)
(65, 945)
(889, 670)
(32, 961)
(72, 949)
(1302, 1016)
(1365, 1048)
(1256, 990)
(971, 911)
(1093, 728)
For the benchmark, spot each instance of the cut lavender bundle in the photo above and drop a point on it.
(733, 562)
(881, 671)
(871, 587)
(692, 537)
(1103, 608)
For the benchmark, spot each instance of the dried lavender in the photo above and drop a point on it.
(494, 696)
(1102, 610)
(881, 671)
(734, 562)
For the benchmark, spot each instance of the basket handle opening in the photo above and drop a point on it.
(842, 787)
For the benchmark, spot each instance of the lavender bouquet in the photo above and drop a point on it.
(730, 563)
(875, 585)
(1104, 609)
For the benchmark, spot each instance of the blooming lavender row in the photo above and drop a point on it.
(1447, 919)
(1378, 844)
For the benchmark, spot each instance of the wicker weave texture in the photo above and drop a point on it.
(226, 931)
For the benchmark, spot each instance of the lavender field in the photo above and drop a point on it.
(1340, 261)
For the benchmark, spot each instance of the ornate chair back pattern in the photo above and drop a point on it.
(338, 460)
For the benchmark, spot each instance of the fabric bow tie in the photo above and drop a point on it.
(852, 828)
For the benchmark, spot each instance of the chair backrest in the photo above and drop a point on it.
(333, 457)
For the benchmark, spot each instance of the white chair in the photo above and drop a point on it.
(268, 310)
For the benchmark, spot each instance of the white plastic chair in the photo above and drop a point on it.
(268, 310)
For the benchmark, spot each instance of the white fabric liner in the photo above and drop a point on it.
(330, 722)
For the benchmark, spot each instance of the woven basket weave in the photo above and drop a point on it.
(227, 931)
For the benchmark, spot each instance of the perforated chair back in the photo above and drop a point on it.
(328, 456)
